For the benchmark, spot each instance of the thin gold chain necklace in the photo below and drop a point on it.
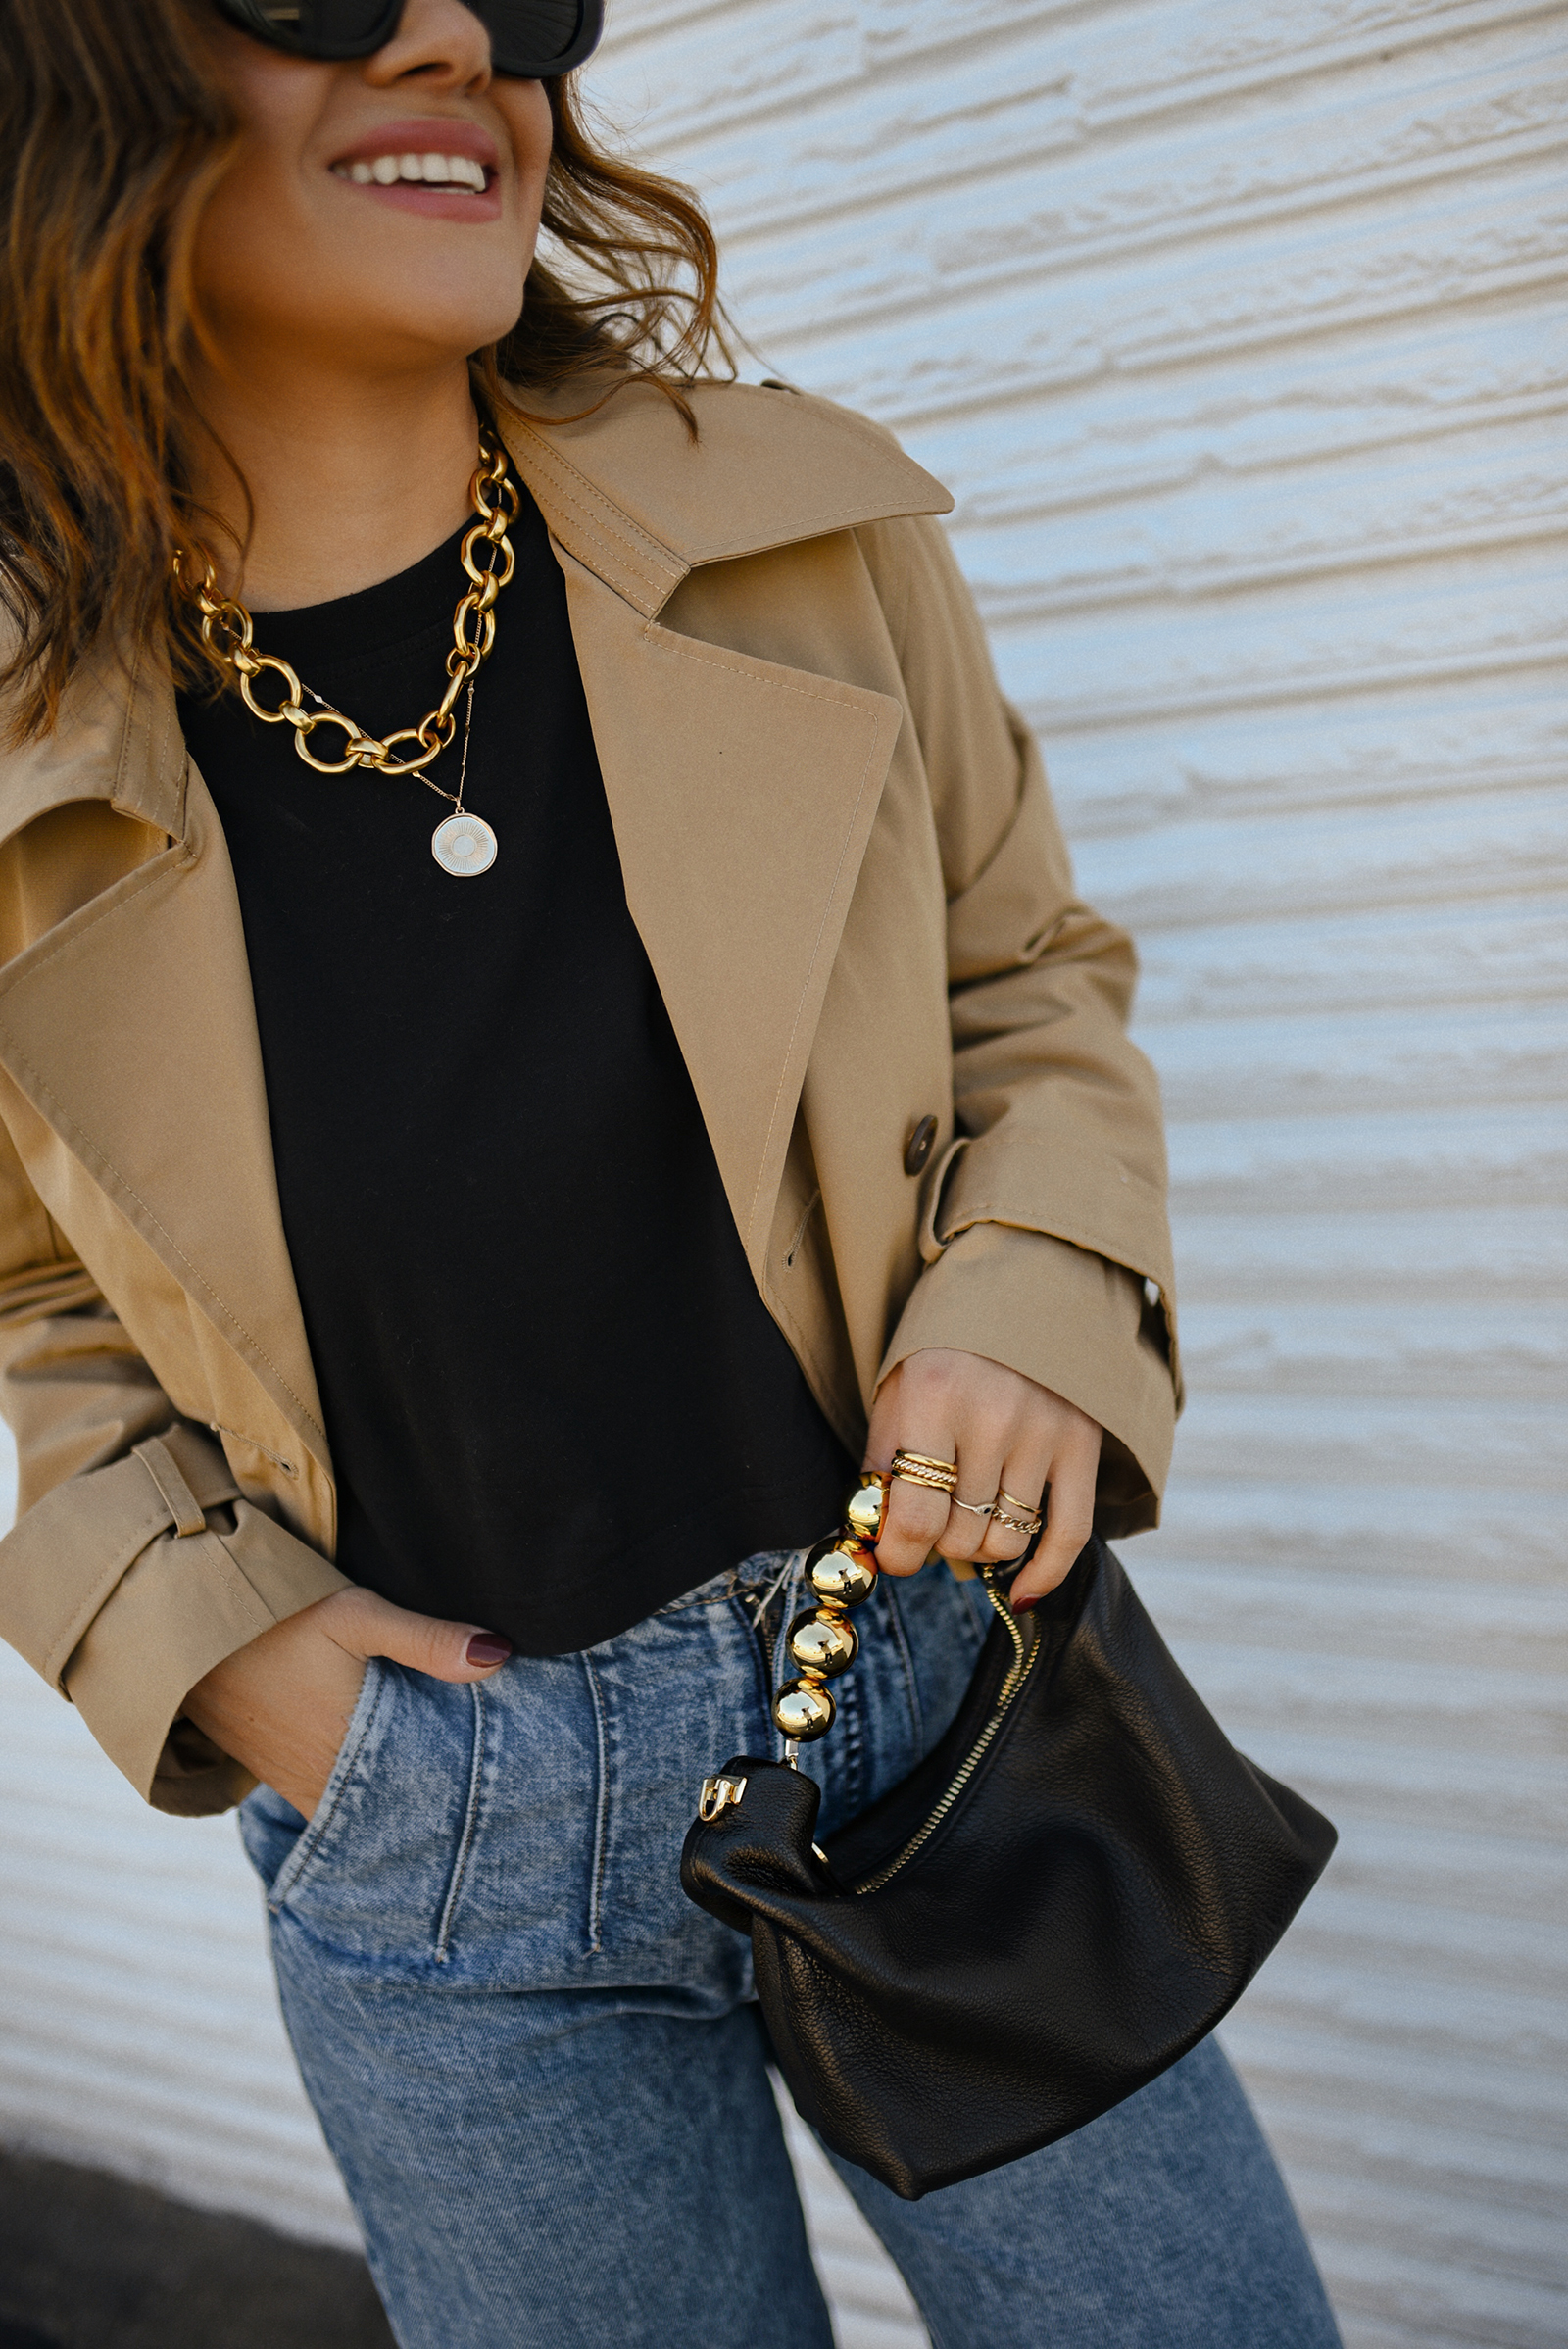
(463, 844)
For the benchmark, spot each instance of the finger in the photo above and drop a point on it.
(1069, 1522)
(964, 1534)
(914, 1520)
(915, 1513)
(369, 1626)
(1022, 1477)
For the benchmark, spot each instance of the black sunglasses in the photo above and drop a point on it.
(531, 40)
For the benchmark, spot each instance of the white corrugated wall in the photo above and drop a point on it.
(1239, 328)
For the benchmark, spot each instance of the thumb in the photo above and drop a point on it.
(365, 1625)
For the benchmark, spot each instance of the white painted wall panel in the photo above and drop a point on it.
(1238, 328)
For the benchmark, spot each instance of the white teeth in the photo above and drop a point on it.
(429, 170)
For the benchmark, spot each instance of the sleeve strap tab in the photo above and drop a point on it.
(185, 1510)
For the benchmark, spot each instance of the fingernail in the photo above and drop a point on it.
(488, 1647)
(1022, 1607)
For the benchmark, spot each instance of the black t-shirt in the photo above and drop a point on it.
(553, 1395)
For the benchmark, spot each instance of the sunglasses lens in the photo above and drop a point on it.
(319, 27)
(537, 38)
(530, 37)
(347, 24)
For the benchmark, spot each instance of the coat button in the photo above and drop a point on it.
(917, 1150)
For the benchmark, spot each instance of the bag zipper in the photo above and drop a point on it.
(1018, 1673)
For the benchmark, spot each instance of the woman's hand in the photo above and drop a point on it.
(281, 1705)
(1001, 1430)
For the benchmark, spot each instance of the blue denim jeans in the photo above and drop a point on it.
(540, 2072)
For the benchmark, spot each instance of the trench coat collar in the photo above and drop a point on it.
(623, 488)
(636, 504)
(631, 495)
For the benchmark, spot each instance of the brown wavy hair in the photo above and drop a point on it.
(113, 131)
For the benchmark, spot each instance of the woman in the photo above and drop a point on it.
(450, 1274)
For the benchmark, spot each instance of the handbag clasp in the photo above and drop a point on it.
(717, 1795)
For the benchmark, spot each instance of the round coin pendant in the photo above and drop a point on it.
(464, 845)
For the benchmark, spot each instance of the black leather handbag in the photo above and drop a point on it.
(1070, 1891)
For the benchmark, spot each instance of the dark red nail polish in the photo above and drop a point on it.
(488, 1647)
(1022, 1607)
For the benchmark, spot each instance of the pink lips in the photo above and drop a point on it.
(432, 134)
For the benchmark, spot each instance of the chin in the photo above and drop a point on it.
(430, 315)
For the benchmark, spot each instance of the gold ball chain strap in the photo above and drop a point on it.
(841, 1572)
(226, 629)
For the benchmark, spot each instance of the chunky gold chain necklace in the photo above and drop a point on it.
(463, 844)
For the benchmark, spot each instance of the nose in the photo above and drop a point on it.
(439, 43)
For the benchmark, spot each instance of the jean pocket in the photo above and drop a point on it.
(273, 1830)
(315, 1830)
(379, 1869)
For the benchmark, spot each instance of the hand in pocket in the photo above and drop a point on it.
(281, 1705)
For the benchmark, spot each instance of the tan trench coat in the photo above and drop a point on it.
(840, 853)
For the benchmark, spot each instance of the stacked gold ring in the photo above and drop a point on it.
(1028, 1521)
(920, 1468)
(823, 1643)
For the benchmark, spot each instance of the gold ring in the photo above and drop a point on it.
(918, 1468)
(1030, 1508)
(975, 1509)
(936, 1484)
(1019, 1524)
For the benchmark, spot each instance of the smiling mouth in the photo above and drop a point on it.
(458, 173)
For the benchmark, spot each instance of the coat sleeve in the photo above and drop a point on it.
(1046, 1239)
(134, 1564)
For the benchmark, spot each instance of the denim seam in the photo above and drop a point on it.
(753, 1645)
(684, 1606)
(794, 1592)
(596, 1880)
(851, 1756)
(470, 1821)
(310, 1839)
(911, 1676)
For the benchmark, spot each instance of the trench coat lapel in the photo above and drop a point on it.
(743, 793)
(130, 1027)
